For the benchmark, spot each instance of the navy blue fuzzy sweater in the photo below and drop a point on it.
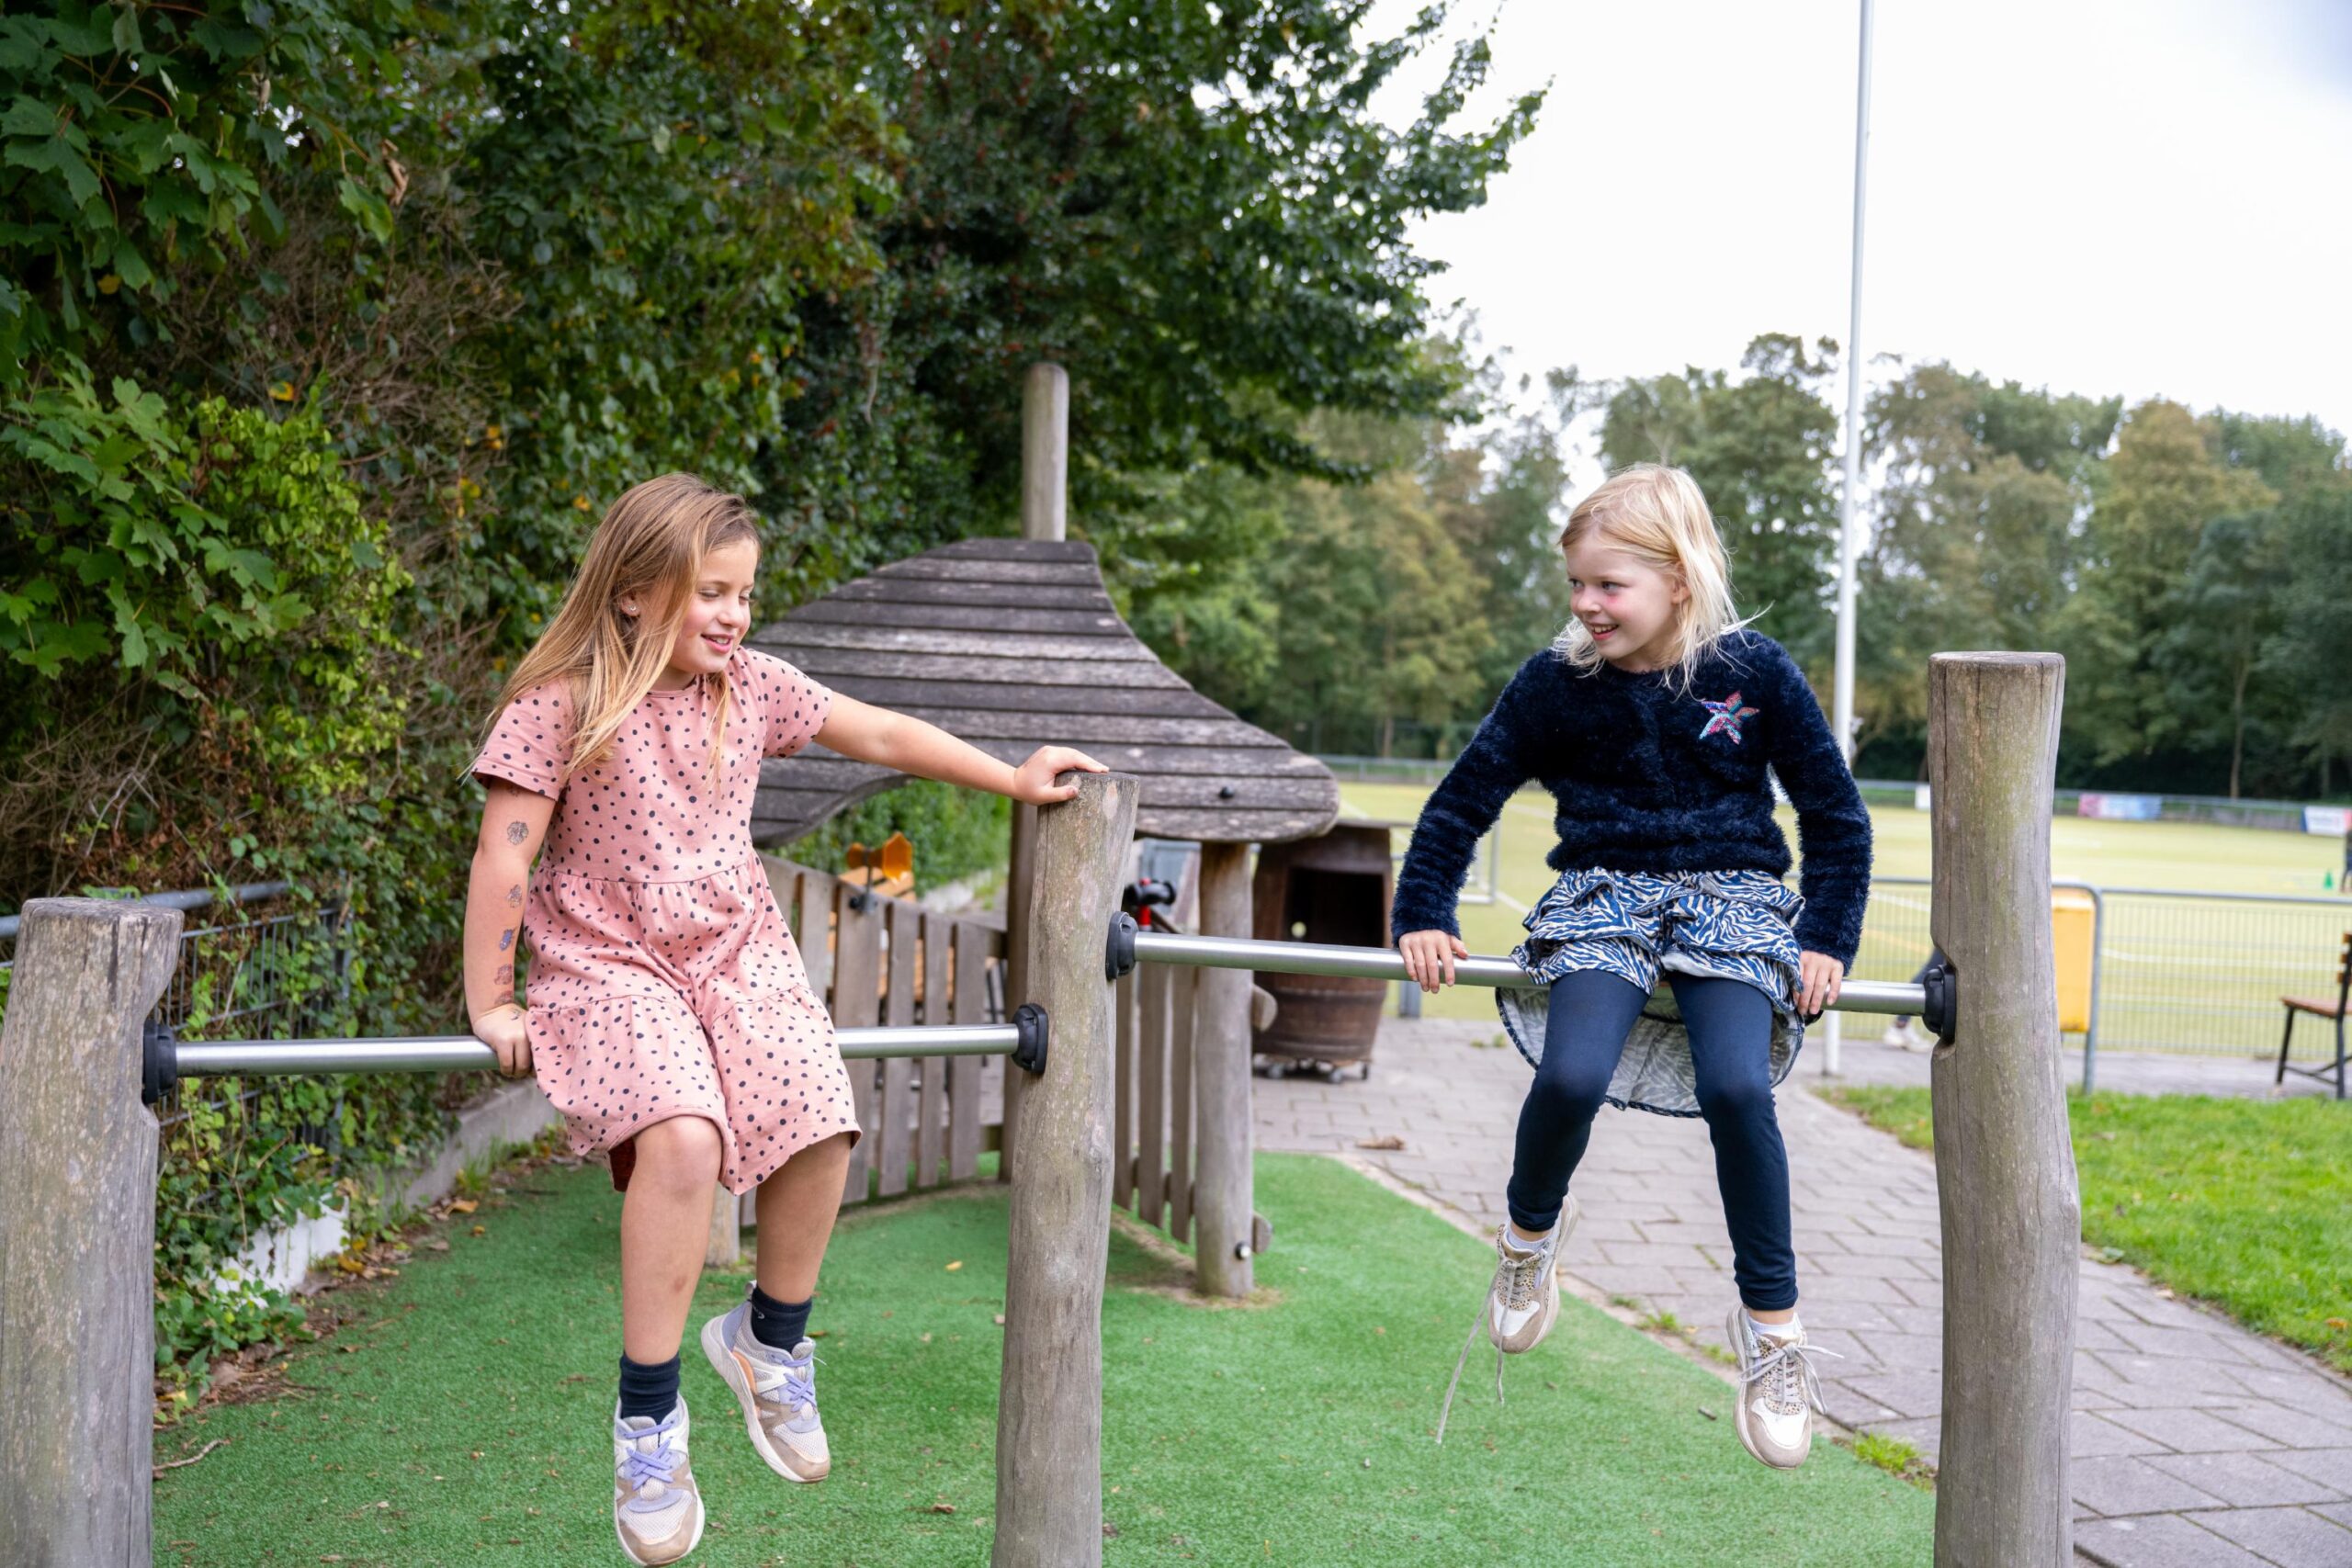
(1649, 779)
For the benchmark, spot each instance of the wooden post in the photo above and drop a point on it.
(1044, 453)
(77, 1234)
(1049, 1413)
(1221, 1192)
(724, 1248)
(2005, 1168)
(1045, 515)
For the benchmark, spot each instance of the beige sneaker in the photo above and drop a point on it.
(657, 1509)
(777, 1393)
(1778, 1391)
(1521, 1305)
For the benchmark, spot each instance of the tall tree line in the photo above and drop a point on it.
(2195, 568)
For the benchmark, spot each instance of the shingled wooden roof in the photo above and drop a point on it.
(1012, 644)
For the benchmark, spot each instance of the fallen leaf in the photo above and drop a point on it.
(941, 1508)
(463, 1206)
(1386, 1141)
(953, 1267)
(1707, 1413)
(926, 1338)
(481, 1230)
(438, 1244)
(1000, 1318)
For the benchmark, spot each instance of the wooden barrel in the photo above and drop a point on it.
(1334, 888)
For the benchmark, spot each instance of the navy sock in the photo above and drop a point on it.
(779, 1326)
(649, 1391)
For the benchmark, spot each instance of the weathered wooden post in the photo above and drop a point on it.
(2005, 1168)
(77, 1234)
(1049, 1413)
(1045, 515)
(1222, 1126)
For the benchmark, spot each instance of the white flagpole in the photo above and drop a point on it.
(1848, 544)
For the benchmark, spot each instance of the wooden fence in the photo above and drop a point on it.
(888, 961)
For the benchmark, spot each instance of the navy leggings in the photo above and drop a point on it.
(1730, 1024)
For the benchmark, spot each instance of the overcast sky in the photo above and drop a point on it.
(2144, 197)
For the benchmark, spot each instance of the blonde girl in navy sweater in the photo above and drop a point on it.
(1652, 719)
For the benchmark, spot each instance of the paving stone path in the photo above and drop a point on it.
(2195, 1442)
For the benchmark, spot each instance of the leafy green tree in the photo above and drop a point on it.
(2156, 497)
(2312, 648)
(1758, 444)
(1977, 541)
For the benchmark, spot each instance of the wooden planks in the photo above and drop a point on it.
(1151, 1091)
(1014, 650)
(931, 1111)
(1185, 990)
(973, 947)
(857, 964)
(893, 1150)
(896, 963)
(1122, 1107)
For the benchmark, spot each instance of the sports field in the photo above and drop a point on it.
(2178, 975)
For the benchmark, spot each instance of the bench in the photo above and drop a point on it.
(2323, 1007)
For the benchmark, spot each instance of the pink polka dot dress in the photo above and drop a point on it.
(662, 980)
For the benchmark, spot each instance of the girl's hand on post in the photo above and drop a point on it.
(1032, 781)
(1822, 977)
(1429, 957)
(501, 1030)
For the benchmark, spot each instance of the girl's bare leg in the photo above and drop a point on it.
(665, 1225)
(797, 1207)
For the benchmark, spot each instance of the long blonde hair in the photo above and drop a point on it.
(1657, 515)
(650, 545)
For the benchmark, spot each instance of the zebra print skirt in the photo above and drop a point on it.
(1637, 925)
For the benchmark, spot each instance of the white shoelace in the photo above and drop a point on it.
(1516, 1279)
(1785, 1368)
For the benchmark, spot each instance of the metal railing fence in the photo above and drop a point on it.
(2173, 971)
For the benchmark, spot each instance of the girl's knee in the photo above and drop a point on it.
(681, 1153)
(1568, 1098)
(1744, 1100)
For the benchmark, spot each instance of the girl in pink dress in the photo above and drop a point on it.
(670, 1019)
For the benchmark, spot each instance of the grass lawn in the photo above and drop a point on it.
(2245, 1204)
(460, 1417)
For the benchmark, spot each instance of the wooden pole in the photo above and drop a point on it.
(2005, 1168)
(1045, 515)
(1222, 1183)
(1044, 453)
(1049, 1414)
(77, 1234)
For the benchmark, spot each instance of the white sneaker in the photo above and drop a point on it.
(1522, 1303)
(777, 1391)
(657, 1507)
(1778, 1391)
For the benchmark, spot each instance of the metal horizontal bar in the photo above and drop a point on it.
(1382, 963)
(463, 1052)
(184, 900)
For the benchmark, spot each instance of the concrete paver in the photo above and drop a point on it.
(2194, 1440)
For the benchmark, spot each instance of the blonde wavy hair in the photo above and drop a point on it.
(651, 545)
(1657, 515)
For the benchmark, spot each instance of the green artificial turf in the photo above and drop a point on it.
(2247, 1203)
(463, 1418)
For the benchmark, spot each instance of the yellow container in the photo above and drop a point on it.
(2070, 930)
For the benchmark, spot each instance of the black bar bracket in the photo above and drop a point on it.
(1939, 1007)
(1120, 960)
(1036, 1038)
(158, 1062)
